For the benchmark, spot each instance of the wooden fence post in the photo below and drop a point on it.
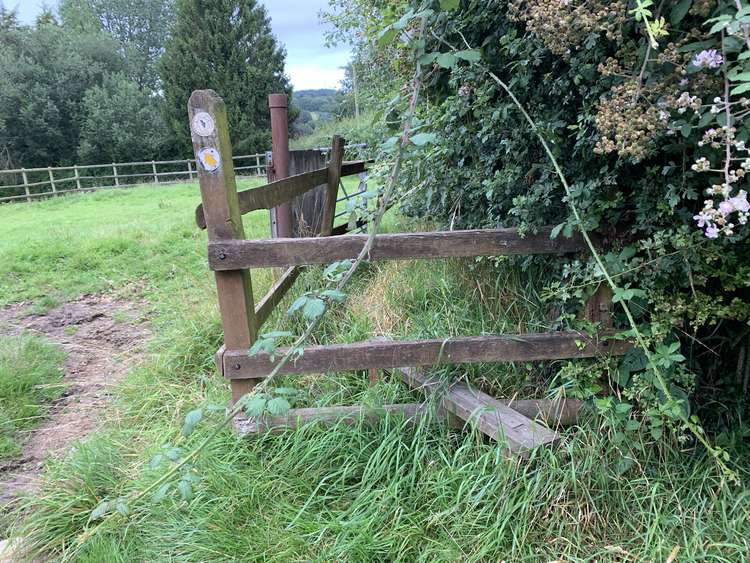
(52, 180)
(213, 155)
(26, 185)
(598, 307)
(282, 214)
(190, 170)
(336, 158)
(153, 168)
(77, 177)
(114, 171)
(257, 165)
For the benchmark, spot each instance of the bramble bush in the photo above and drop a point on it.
(644, 107)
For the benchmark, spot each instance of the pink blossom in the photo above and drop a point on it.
(702, 218)
(740, 203)
(726, 207)
(710, 58)
(712, 232)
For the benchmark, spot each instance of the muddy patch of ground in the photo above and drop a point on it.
(103, 337)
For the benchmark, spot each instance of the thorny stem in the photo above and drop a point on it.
(696, 430)
(362, 257)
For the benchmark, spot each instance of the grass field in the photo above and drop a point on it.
(384, 493)
(30, 378)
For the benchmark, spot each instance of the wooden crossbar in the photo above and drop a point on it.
(239, 254)
(553, 412)
(284, 190)
(493, 418)
(326, 416)
(238, 364)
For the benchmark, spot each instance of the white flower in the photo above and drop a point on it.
(712, 232)
(726, 207)
(740, 203)
(702, 219)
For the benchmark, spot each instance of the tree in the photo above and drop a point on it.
(45, 72)
(225, 45)
(140, 26)
(121, 123)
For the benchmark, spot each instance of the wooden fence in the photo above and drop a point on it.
(28, 184)
(232, 259)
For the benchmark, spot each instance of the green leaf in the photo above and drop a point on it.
(556, 230)
(679, 12)
(744, 55)
(255, 406)
(297, 305)
(447, 60)
(121, 506)
(449, 5)
(191, 419)
(314, 308)
(632, 425)
(278, 406)
(421, 139)
(185, 489)
(173, 453)
(622, 408)
(276, 334)
(741, 89)
(101, 509)
(161, 492)
(428, 58)
(156, 461)
(471, 55)
(386, 36)
(334, 295)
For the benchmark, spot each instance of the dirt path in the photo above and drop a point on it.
(103, 337)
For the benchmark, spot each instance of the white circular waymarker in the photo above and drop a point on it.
(203, 124)
(209, 159)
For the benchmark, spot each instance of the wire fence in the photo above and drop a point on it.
(28, 184)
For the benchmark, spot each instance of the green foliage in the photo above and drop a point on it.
(226, 46)
(30, 379)
(141, 28)
(121, 123)
(45, 73)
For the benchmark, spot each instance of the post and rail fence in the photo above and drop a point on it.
(29, 184)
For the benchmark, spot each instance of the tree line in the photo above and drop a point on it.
(108, 80)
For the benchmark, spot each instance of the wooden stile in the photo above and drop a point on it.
(224, 221)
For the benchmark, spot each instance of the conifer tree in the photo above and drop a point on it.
(225, 45)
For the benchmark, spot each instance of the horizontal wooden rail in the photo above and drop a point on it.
(327, 416)
(238, 364)
(553, 412)
(239, 254)
(493, 418)
(284, 190)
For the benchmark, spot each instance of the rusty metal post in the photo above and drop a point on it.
(282, 214)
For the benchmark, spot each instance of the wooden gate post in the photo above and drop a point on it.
(334, 177)
(281, 215)
(213, 155)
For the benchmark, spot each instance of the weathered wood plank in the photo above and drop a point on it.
(219, 196)
(327, 416)
(273, 194)
(236, 254)
(286, 189)
(472, 349)
(332, 189)
(492, 417)
(556, 412)
(274, 296)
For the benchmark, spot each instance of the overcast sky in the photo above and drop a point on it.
(309, 63)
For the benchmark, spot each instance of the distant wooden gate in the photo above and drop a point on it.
(232, 257)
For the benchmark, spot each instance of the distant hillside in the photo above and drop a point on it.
(316, 106)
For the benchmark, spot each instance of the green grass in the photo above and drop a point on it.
(383, 493)
(30, 379)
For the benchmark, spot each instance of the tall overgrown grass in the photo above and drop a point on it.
(389, 492)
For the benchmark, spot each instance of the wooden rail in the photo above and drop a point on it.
(238, 254)
(238, 364)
